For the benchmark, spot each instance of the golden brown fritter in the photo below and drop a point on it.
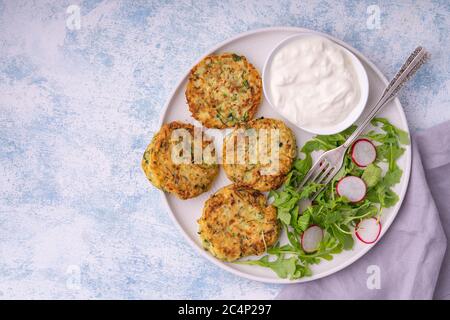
(255, 174)
(224, 90)
(236, 222)
(185, 180)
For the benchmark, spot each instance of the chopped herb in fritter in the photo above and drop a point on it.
(236, 57)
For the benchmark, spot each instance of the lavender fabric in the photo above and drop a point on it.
(410, 261)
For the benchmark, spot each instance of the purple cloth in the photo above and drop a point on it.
(411, 259)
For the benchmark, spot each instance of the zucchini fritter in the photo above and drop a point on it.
(223, 90)
(237, 222)
(186, 179)
(255, 174)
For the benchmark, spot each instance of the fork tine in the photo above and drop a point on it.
(331, 175)
(325, 174)
(325, 168)
(316, 194)
(311, 172)
(319, 175)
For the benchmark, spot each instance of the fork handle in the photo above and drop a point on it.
(412, 64)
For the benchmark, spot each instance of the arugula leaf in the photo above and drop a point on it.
(301, 270)
(284, 215)
(303, 221)
(372, 175)
(392, 177)
(383, 195)
(314, 145)
(402, 136)
(293, 239)
(390, 198)
(302, 166)
(290, 268)
(343, 235)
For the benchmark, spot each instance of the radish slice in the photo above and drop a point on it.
(311, 238)
(351, 187)
(368, 230)
(363, 152)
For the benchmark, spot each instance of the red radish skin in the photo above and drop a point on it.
(311, 238)
(355, 192)
(363, 152)
(359, 231)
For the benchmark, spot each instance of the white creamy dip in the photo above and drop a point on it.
(313, 82)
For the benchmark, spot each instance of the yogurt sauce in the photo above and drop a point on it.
(313, 82)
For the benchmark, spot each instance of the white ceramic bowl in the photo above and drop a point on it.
(360, 73)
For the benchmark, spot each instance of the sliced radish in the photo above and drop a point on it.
(351, 187)
(368, 230)
(363, 152)
(311, 238)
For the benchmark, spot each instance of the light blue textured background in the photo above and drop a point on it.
(77, 217)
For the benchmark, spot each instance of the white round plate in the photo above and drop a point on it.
(256, 46)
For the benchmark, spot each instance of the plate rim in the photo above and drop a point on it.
(354, 258)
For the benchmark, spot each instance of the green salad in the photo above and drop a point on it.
(336, 216)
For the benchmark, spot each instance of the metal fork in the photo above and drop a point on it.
(330, 162)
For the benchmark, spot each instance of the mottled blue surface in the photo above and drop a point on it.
(77, 217)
